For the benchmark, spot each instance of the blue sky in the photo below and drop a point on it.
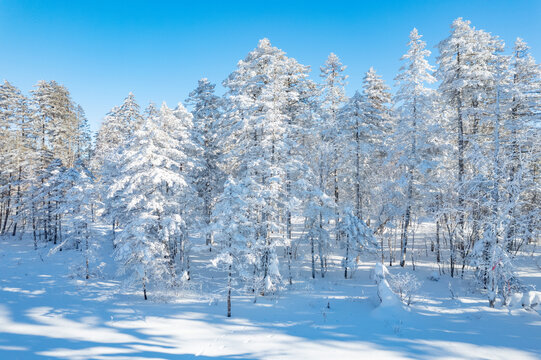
(102, 50)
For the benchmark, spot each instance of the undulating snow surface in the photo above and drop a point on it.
(47, 313)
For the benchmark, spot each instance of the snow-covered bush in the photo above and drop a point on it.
(386, 295)
(495, 269)
(356, 237)
(405, 285)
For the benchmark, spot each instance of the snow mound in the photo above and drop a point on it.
(386, 295)
(528, 299)
(379, 272)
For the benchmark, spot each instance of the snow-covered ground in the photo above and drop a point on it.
(47, 313)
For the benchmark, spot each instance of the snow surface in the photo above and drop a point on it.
(47, 313)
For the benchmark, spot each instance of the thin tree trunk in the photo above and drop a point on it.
(145, 289)
(346, 259)
(229, 292)
(289, 260)
(8, 204)
(86, 252)
(312, 250)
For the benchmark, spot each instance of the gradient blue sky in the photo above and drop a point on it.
(102, 50)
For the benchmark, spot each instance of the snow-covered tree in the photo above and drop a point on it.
(206, 116)
(333, 97)
(258, 149)
(356, 237)
(77, 197)
(375, 128)
(149, 189)
(16, 156)
(467, 66)
(56, 121)
(520, 147)
(116, 129)
(189, 203)
(84, 136)
(114, 134)
(232, 223)
(45, 196)
(413, 146)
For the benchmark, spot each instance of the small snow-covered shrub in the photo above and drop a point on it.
(379, 272)
(386, 295)
(531, 299)
(528, 299)
(405, 285)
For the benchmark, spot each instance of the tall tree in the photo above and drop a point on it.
(466, 70)
(413, 134)
(148, 190)
(58, 123)
(206, 116)
(232, 222)
(520, 147)
(258, 93)
(16, 155)
(333, 97)
(115, 132)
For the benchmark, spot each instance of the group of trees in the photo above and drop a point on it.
(278, 149)
(41, 137)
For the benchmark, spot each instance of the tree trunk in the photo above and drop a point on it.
(145, 289)
(313, 257)
(229, 292)
(289, 260)
(8, 205)
(346, 259)
(86, 252)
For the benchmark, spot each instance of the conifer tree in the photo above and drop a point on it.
(206, 115)
(413, 135)
(333, 97)
(467, 65)
(148, 191)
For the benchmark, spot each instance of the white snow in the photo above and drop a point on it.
(45, 313)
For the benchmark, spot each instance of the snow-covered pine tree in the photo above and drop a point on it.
(206, 116)
(359, 148)
(256, 152)
(83, 148)
(8, 106)
(355, 149)
(413, 145)
(191, 165)
(356, 237)
(129, 113)
(466, 70)
(318, 210)
(116, 129)
(232, 222)
(115, 132)
(46, 196)
(375, 128)
(520, 147)
(151, 110)
(77, 197)
(58, 121)
(489, 253)
(300, 181)
(16, 156)
(149, 190)
(333, 97)
(145, 189)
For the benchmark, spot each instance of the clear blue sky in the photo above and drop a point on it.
(102, 50)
